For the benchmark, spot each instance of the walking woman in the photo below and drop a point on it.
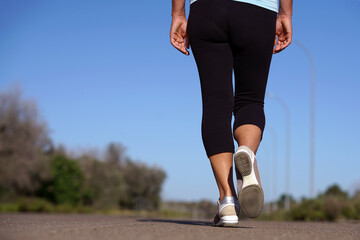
(227, 36)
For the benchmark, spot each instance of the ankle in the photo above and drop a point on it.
(225, 195)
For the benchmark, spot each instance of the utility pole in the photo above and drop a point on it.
(274, 207)
(312, 115)
(287, 149)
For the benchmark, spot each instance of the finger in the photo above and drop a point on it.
(275, 42)
(174, 42)
(288, 41)
(187, 44)
(178, 42)
(278, 47)
(281, 47)
(285, 43)
(184, 50)
(180, 46)
(280, 43)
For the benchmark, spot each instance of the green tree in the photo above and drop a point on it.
(336, 191)
(142, 186)
(104, 183)
(66, 184)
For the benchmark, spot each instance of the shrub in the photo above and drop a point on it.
(142, 186)
(33, 205)
(333, 207)
(66, 183)
(308, 210)
(104, 184)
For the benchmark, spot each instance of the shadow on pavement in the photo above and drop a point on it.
(184, 222)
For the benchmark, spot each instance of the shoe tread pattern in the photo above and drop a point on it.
(251, 199)
(243, 164)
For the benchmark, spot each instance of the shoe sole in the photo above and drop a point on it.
(227, 221)
(251, 196)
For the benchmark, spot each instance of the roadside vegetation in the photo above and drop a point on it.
(36, 176)
(334, 204)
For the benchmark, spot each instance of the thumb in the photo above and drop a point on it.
(275, 42)
(187, 44)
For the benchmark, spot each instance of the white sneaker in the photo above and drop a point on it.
(226, 215)
(251, 196)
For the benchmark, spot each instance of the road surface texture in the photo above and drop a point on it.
(91, 226)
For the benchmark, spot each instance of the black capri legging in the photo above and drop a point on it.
(226, 35)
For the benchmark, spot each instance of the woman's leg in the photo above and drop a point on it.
(207, 33)
(252, 31)
(249, 135)
(214, 63)
(222, 166)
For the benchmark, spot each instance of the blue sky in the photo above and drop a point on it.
(105, 71)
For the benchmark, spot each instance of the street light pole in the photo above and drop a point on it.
(312, 115)
(266, 154)
(287, 151)
(274, 167)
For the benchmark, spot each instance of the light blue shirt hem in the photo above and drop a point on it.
(268, 4)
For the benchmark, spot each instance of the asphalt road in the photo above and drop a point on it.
(91, 226)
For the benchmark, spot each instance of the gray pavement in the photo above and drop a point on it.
(92, 226)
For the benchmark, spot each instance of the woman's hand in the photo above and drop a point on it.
(178, 34)
(283, 34)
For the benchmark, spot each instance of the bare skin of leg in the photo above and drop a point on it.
(222, 163)
(249, 135)
(222, 166)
